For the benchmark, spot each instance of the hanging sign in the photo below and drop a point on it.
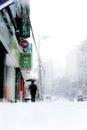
(29, 48)
(5, 3)
(26, 61)
(24, 22)
(24, 43)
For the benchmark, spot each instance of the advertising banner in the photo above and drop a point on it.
(5, 3)
(26, 61)
(24, 22)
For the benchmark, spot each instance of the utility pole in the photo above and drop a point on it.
(40, 66)
(41, 41)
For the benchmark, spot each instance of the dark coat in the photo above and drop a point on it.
(33, 89)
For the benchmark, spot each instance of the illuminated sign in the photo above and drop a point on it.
(5, 3)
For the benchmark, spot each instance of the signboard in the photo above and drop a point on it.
(26, 61)
(24, 43)
(5, 3)
(24, 22)
(29, 49)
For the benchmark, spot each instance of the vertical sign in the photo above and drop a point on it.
(24, 22)
(26, 61)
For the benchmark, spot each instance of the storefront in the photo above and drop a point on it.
(12, 72)
(11, 79)
(2, 64)
(5, 47)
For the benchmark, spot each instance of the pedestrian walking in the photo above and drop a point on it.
(32, 89)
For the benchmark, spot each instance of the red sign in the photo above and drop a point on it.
(24, 43)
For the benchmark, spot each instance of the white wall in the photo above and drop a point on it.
(11, 83)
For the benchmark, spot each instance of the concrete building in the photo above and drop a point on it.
(11, 78)
(47, 77)
(72, 66)
(82, 61)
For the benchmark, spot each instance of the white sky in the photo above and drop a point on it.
(65, 21)
(43, 116)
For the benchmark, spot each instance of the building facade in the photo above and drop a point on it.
(11, 78)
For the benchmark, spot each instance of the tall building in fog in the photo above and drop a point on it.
(82, 61)
(47, 77)
(71, 66)
(77, 66)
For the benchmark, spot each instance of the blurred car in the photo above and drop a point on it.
(54, 98)
(47, 98)
(80, 97)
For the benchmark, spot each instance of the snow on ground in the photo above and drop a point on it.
(43, 116)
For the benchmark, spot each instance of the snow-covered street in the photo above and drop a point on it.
(43, 116)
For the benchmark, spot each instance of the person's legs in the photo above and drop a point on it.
(33, 98)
